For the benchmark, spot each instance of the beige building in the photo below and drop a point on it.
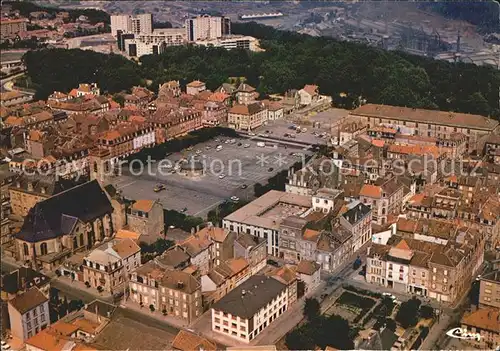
(489, 290)
(247, 117)
(109, 265)
(195, 87)
(486, 323)
(146, 218)
(251, 248)
(309, 273)
(224, 278)
(28, 314)
(438, 124)
(12, 27)
(385, 197)
(174, 293)
(287, 275)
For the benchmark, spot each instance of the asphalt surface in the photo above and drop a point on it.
(242, 167)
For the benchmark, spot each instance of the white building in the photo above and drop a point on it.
(247, 310)
(169, 36)
(324, 200)
(141, 23)
(28, 314)
(143, 140)
(137, 48)
(207, 27)
(232, 42)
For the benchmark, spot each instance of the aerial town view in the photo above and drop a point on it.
(240, 175)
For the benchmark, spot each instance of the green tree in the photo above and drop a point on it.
(426, 311)
(407, 314)
(311, 309)
(300, 339)
(120, 99)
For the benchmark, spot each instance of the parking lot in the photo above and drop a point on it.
(231, 171)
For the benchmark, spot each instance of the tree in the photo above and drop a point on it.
(407, 315)
(390, 324)
(152, 307)
(426, 312)
(300, 339)
(87, 284)
(164, 311)
(334, 331)
(311, 309)
(100, 289)
(119, 99)
(58, 272)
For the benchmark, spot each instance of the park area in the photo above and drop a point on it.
(351, 306)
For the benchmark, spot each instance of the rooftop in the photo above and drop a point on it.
(28, 300)
(484, 318)
(249, 297)
(453, 119)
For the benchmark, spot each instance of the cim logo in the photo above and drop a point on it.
(459, 333)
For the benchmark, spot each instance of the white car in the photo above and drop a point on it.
(246, 146)
(222, 176)
(235, 198)
(386, 294)
(251, 134)
(218, 148)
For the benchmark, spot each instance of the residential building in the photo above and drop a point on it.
(223, 240)
(201, 250)
(168, 36)
(224, 278)
(21, 280)
(175, 293)
(296, 242)
(146, 218)
(489, 290)
(28, 314)
(250, 308)
(253, 249)
(263, 216)
(309, 273)
(214, 114)
(207, 27)
(308, 95)
(58, 337)
(318, 173)
(195, 87)
(384, 197)
(245, 94)
(232, 42)
(10, 28)
(429, 123)
(136, 48)
(170, 124)
(334, 249)
(486, 323)
(247, 117)
(56, 227)
(357, 219)
(174, 258)
(12, 98)
(109, 265)
(137, 24)
(287, 274)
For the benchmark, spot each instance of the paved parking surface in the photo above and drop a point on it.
(240, 166)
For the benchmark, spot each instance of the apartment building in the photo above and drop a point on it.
(169, 36)
(247, 117)
(245, 94)
(333, 249)
(126, 138)
(28, 314)
(309, 94)
(214, 114)
(170, 124)
(224, 278)
(109, 265)
(486, 323)
(174, 293)
(10, 28)
(232, 42)
(309, 273)
(223, 240)
(263, 216)
(206, 27)
(424, 267)
(250, 308)
(357, 220)
(201, 250)
(318, 173)
(384, 197)
(146, 218)
(253, 249)
(296, 242)
(431, 123)
(137, 24)
(287, 274)
(489, 290)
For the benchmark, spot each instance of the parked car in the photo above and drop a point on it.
(270, 169)
(261, 144)
(218, 148)
(222, 176)
(235, 198)
(246, 146)
(244, 186)
(273, 263)
(158, 188)
(184, 209)
(251, 134)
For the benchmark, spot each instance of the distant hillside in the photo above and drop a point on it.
(484, 14)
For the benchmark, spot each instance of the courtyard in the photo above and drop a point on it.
(351, 306)
(230, 169)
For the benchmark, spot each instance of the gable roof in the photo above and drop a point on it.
(28, 300)
(370, 190)
(187, 341)
(44, 221)
(307, 267)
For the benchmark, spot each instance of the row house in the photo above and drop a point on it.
(253, 249)
(170, 124)
(224, 278)
(287, 275)
(174, 293)
(172, 87)
(246, 94)
(334, 249)
(139, 98)
(146, 218)
(384, 197)
(296, 242)
(109, 265)
(358, 221)
(126, 139)
(214, 114)
(439, 271)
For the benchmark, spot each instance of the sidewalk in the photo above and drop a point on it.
(175, 322)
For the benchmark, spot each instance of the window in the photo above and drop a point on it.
(487, 291)
(43, 249)
(445, 272)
